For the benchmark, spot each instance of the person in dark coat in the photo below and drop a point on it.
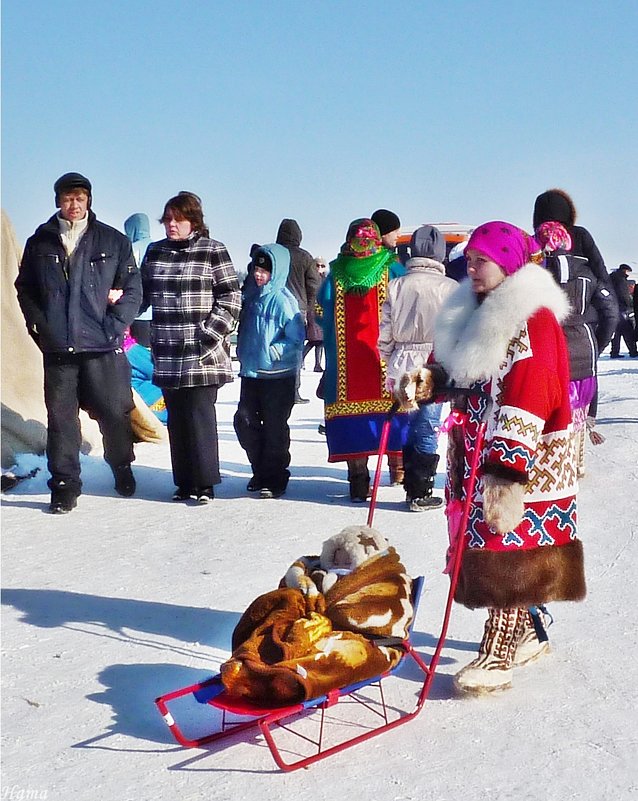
(191, 283)
(314, 332)
(456, 267)
(588, 328)
(389, 226)
(79, 289)
(556, 205)
(625, 327)
(303, 279)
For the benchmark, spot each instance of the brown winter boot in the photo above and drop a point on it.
(492, 669)
(395, 463)
(530, 647)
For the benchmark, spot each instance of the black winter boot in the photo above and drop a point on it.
(410, 472)
(359, 479)
(63, 499)
(124, 480)
(420, 470)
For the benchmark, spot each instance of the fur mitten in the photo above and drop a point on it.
(419, 386)
(594, 436)
(503, 507)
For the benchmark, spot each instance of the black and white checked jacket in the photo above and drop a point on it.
(193, 289)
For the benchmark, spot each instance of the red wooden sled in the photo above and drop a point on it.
(235, 716)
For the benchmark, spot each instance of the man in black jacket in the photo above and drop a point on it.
(625, 327)
(303, 279)
(79, 288)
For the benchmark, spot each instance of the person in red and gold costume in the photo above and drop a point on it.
(354, 385)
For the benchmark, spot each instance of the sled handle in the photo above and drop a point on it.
(459, 545)
(383, 445)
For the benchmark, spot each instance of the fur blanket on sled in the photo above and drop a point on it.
(289, 646)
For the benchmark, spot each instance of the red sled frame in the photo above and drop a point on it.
(211, 691)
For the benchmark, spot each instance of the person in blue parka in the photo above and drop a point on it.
(137, 228)
(269, 346)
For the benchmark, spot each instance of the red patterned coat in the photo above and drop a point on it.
(512, 347)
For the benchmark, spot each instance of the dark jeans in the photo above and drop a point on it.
(624, 329)
(261, 424)
(99, 383)
(192, 433)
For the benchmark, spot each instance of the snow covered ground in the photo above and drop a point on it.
(122, 600)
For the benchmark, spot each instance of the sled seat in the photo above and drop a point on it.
(364, 699)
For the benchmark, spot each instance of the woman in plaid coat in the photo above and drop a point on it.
(190, 282)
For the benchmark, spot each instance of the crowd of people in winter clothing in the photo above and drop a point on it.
(515, 320)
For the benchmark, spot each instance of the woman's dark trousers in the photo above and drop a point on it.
(192, 433)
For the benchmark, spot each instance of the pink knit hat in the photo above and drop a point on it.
(506, 244)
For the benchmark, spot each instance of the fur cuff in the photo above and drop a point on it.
(503, 507)
(505, 473)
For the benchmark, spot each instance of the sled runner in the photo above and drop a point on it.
(304, 733)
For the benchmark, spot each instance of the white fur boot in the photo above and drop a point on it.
(530, 647)
(492, 669)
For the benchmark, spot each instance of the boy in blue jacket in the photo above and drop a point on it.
(269, 346)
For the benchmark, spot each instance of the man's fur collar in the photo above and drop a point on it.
(471, 340)
(422, 263)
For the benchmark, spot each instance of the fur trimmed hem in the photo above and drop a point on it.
(504, 579)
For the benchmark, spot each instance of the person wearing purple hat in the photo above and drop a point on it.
(499, 332)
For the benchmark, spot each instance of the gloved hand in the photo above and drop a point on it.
(594, 436)
(503, 506)
(297, 578)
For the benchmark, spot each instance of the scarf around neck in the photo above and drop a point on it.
(360, 274)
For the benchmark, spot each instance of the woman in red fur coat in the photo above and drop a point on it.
(500, 332)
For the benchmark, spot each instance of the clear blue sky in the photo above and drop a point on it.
(324, 111)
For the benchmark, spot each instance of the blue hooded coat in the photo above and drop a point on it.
(138, 229)
(271, 326)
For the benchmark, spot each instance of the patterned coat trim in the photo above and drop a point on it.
(193, 289)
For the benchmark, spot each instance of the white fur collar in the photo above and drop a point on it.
(471, 340)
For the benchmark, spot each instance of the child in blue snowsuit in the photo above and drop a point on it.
(269, 346)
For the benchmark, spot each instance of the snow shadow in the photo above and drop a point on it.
(120, 617)
(130, 691)
(327, 484)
